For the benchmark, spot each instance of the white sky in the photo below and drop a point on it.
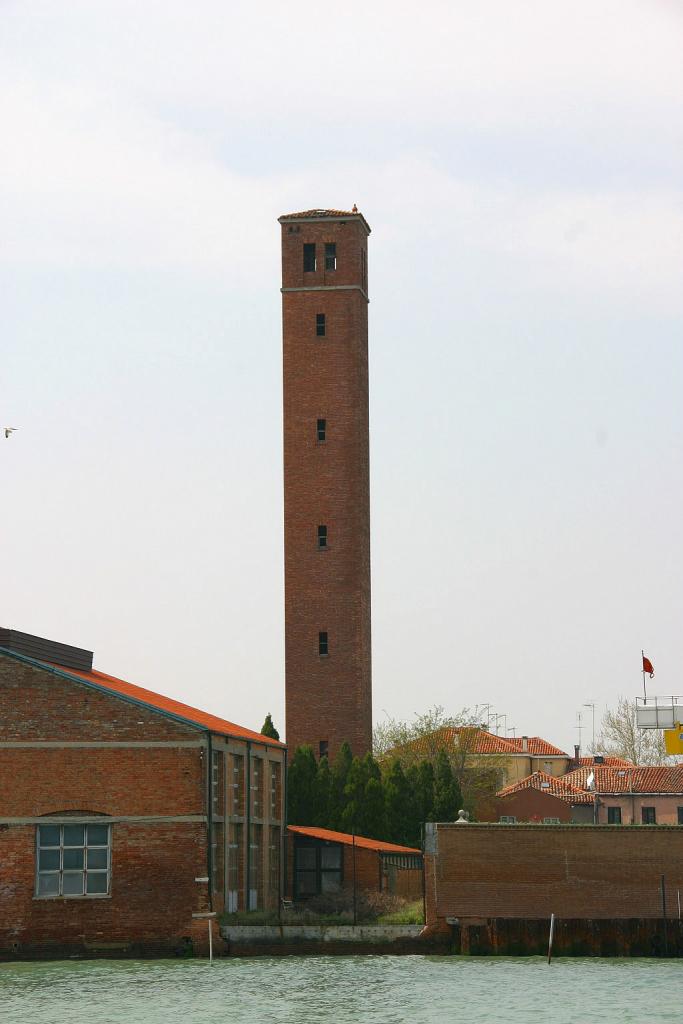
(520, 164)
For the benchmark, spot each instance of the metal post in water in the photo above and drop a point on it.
(550, 937)
(666, 935)
(210, 942)
(678, 893)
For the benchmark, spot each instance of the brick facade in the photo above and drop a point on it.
(172, 795)
(483, 871)
(326, 483)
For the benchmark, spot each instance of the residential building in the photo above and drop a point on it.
(633, 795)
(544, 798)
(124, 812)
(512, 759)
(326, 480)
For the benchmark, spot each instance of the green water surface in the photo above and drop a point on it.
(337, 990)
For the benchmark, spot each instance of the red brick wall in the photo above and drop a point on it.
(154, 863)
(531, 805)
(327, 698)
(36, 704)
(116, 781)
(153, 892)
(573, 871)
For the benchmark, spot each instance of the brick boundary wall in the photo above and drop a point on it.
(478, 872)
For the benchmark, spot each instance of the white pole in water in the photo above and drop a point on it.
(550, 937)
(210, 922)
(678, 893)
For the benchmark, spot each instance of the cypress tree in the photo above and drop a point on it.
(399, 805)
(268, 729)
(323, 794)
(301, 787)
(354, 793)
(340, 774)
(447, 795)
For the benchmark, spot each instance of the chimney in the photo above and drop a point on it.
(525, 744)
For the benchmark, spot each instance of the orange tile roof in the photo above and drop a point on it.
(482, 742)
(349, 840)
(549, 784)
(608, 759)
(609, 780)
(167, 704)
(537, 747)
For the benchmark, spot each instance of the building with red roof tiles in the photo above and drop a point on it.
(513, 758)
(322, 862)
(124, 812)
(544, 798)
(601, 794)
(633, 794)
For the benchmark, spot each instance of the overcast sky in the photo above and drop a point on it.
(520, 164)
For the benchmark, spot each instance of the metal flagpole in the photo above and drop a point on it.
(642, 654)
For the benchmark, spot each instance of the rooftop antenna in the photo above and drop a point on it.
(591, 704)
(579, 726)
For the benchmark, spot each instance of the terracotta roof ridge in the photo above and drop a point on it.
(167, 705)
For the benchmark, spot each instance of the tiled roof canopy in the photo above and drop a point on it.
(609, 780)
(549, 784)
(348, 840)
(167, 704)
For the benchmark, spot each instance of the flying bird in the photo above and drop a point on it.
(9, 430)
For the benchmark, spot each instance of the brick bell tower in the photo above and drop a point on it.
(327, 481)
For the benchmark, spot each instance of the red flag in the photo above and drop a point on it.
(647, 666)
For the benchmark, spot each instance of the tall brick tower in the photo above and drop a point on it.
(327, 480)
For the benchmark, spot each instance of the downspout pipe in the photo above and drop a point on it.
(284, 837)
(247, 819)
(209, 817)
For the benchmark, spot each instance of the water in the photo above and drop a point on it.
(337, 990)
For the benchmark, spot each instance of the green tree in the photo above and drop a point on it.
(364, 811)
(323, 794)
(301, 787)
(459, 737)
(354, 793)
(447, 795)
(340, 774)
(399, 805)
(268, 729)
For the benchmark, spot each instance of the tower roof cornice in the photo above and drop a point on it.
(325, 215)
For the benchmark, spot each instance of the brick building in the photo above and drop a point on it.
(326, 480)
(321, 861)
(115, 801)
(542, 798)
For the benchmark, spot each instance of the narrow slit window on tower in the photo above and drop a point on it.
(320, 325)
(323, 748)
(322, 430)
(330, 256)
(322, 536)
(323, 646)
(309, 257)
